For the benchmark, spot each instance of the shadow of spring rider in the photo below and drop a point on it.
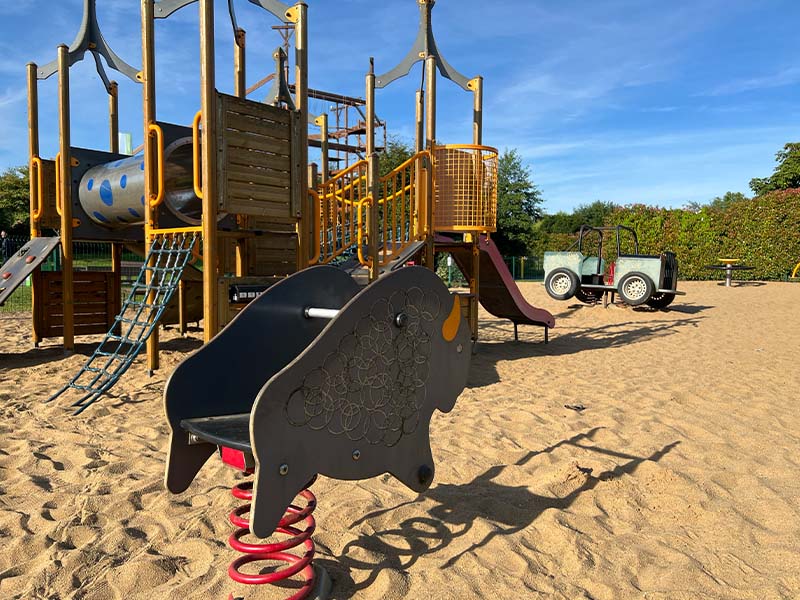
(317, 376)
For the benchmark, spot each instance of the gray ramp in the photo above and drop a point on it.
(24, 262)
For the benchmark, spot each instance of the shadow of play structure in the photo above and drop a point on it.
(348, 350)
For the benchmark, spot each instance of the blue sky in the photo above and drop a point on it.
(618, 100)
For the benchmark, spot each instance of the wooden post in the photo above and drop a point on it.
(33, 152)
(65, 192)
(322, 122)
(149, 116)
(419, 138)
(430, 140)
(476, 85)
(298, 15)
(373, 178)
(113, 118)
(240, 90)
(209, 170)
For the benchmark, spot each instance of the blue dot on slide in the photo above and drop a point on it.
(142, 200)
(90, 185)
(100, 217)
(134, 213)
(123, 182)
(105, 193)
(141, 166)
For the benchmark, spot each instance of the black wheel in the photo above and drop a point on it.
(561, 284)
(635, 288)
(660, 300)
(588, 296)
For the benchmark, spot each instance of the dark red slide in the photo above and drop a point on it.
(498, 291)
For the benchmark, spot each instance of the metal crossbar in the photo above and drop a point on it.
(168, 256)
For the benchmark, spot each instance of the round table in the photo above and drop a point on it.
(729, 267)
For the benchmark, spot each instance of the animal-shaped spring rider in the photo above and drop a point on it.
(316, 376)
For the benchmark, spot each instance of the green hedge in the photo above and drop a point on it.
(764, 233)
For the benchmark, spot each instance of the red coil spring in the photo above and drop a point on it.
(277, 551)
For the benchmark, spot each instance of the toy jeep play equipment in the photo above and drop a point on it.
(637, 278)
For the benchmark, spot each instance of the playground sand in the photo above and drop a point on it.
(677, 480)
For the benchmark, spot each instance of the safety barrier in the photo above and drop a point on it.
(335, 206)
(465, 190)
(399, 220)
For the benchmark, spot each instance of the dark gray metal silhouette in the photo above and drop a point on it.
(424, 46)
(350, 398)
(91, 38)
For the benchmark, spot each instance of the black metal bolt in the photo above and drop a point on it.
(283, 469)
(401, 319)
(356, 454)
(425, 475)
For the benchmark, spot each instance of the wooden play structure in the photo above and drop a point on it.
(226, 204)
(348, 350)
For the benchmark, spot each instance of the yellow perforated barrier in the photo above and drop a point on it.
(465, 188)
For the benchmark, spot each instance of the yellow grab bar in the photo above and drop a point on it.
(360, 232)
(317, 230)
(198, 190)
(36, 163)
(158, 197)
(58, 184)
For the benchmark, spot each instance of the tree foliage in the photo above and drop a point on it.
(395, 154)
(594, 214)
(785, 176)
(519, 205)
(14, 199)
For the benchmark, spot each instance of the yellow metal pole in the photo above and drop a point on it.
(33, 152)
(65, 193)
(298, 15)
(148, 78)
(370, 107)
(240, 90)
(209, 171)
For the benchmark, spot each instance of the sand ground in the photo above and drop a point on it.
(679, 479)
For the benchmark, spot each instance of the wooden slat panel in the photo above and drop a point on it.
(259, 176)
(254, 158)
(260, 126)
(234, 105)
(236, 139)
(260, 193)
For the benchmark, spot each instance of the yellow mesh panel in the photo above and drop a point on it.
(465, 188)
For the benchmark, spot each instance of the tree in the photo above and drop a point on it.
(395, 154)
(14, 199)
(594, 214)
(519, 204)
(785, 176)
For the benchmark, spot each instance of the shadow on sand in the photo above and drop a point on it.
(483, 371)
(509, 509)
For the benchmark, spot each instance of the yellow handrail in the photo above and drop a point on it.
(317, 231)
(58, 183)
(158, 197)
(36, 164)
(796, 270)
(198, 190)
(360, 237)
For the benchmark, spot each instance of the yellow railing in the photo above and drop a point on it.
(38, 179)
(462, 180)
(335, 218)
(399, 222)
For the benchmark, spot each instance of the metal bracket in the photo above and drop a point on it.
(91, 38)
(424, 46)
(279, 90)
(279, 9)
